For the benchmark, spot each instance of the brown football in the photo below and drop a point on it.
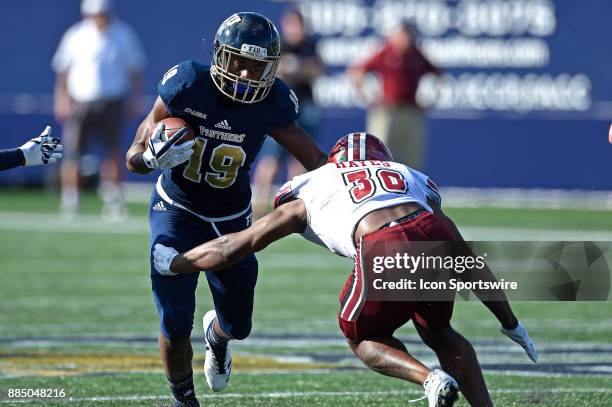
(174, 124)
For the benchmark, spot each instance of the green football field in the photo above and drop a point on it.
(76, 314)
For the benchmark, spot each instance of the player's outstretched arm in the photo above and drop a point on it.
(230, 249)
(499, 305)
(11, 158)
(42, 150)
(301, 145)
(134, 156)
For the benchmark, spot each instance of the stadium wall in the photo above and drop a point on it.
(525, 101)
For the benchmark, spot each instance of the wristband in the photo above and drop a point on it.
(11, 158)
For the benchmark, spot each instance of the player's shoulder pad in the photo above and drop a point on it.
(427, 184)
(179, 78)
(284, 100)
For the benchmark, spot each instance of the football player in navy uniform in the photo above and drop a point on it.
(204, 189)
(41, 150)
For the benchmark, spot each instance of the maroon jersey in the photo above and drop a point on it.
(400, 74)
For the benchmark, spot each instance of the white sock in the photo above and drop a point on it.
(111, 194)
(70, 197)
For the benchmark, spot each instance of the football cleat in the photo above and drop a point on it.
(441, 390)
(185, 403)
(520, 336)
(218, 363)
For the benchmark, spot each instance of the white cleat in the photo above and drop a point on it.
(520, 336)
(218, 363)
(441, 390)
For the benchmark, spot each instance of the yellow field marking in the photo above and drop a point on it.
(74, 364)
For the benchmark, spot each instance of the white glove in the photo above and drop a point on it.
(520, 336)
(164, 154)
(162, 258)
(43, 149)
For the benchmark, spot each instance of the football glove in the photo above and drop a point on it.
(162, 258)
(43, 149)
(520, 336)
(164, 154)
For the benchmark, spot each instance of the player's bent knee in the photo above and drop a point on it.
(173, 333)
(177, 324)
(240, 332)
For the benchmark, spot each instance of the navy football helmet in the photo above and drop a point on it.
(245, 40)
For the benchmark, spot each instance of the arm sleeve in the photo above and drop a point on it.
(290, 190)
(432, 191)
(287, 107)
(11, 158)
(175, 86)
(284, 195)
(426, 186)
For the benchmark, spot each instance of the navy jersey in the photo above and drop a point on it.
(215, 181)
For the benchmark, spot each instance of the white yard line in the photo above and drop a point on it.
(37, 222)
(519, 234)
(526, 198)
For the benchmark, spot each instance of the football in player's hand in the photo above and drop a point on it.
(173, 124)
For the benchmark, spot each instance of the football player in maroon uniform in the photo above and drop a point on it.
(361, 196)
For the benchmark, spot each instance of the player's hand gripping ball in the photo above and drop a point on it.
(169, 144)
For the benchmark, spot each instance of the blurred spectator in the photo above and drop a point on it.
(299, 68)
(396, 118)
(99, 65)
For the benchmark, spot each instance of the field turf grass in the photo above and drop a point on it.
(76, 314)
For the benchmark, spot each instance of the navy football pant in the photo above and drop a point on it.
(232, 289)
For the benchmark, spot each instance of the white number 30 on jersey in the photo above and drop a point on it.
(364, 185)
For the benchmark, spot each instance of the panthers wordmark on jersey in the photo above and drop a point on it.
(215, 181)
(338, 195)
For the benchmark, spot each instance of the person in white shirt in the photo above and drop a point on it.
(361, 196)
(98, 65)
